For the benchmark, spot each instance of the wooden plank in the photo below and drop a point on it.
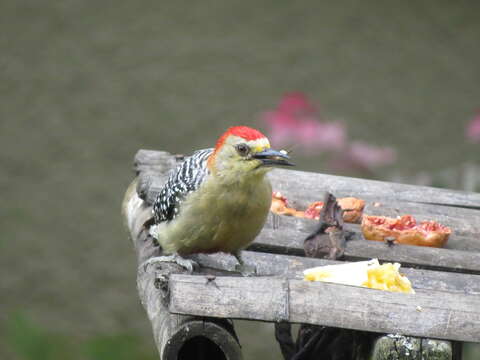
(293, 266)
(154, 161)
(395, 199)
(470, 242)
(443, 316)
(306, 226)
(286, 236)
(430, 258)
(218, 300)
(303, 185)
(438, 315)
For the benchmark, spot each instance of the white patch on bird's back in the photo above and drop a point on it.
(154, 231)
(133, 204)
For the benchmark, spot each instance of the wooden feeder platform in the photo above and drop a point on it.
(193, 311)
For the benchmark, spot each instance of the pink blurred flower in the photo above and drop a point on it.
(363, 156)
(296, 122)
(472, 132)
(370, 155)
(320, 136)
(296, 104)
(280, 127)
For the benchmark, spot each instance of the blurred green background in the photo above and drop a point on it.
(85, 84)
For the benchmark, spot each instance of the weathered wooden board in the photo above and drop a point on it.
(430, 314)
(457, 209)
(158, 162)
(305, 226)
(303, 185)
(286, 236)
(292, 267)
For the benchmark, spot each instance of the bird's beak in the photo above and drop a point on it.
(270, 157)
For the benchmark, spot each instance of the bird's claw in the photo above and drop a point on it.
(188, 264)
(243, 268)
(246, 270)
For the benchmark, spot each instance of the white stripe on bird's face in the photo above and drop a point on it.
(228, 162)
(255, 146)
(258, 145)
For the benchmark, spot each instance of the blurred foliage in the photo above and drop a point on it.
(118, 347)
(29, 341)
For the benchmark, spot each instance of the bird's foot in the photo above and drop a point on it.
(246, 270)
(243, 268)
(188, 264)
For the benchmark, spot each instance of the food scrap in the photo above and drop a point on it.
(280, 206)
(405, 230)
(352, 208)
(364, 274)
(401, 230)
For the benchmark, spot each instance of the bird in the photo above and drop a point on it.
(217, 199)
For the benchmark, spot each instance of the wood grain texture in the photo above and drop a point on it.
(292, 267)
(303, 185)
(285, 235)
(437, 315)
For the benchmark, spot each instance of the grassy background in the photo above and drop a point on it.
(84, 84)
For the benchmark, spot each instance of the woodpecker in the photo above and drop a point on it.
(218, 199)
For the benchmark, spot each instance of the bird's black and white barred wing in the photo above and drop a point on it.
(187, 177)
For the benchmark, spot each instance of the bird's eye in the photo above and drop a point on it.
(242, 149)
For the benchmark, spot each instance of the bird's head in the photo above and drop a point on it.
(243, 150)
